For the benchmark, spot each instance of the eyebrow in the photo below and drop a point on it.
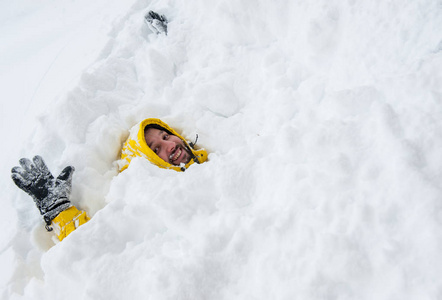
(150, 144)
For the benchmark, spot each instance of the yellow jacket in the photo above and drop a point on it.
(67, 221)
(135, 146)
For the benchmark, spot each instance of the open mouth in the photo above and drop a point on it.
(176, 155)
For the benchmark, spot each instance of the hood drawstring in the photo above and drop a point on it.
(192, 144)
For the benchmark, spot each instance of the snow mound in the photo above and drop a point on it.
(324, 126)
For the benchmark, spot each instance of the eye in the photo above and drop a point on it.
(155, 150)
(165, 137)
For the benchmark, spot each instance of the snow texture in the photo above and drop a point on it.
(324, 125)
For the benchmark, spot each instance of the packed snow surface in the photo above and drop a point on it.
(323, 120)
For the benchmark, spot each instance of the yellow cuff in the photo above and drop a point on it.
(67, 221)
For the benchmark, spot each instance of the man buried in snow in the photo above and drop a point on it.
(151, 139)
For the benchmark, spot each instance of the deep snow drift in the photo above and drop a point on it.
(324, 124)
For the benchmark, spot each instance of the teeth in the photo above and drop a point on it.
(177, 154)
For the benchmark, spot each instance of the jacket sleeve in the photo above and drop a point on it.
(67, 221)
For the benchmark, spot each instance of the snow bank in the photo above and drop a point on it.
(324, 125)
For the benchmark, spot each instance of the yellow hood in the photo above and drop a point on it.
(135, 146)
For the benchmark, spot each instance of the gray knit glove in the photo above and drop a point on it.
(50, 195)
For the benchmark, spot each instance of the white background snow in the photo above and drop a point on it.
(324, 124)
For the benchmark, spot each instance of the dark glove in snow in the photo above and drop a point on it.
(157, 23)
(50, 195)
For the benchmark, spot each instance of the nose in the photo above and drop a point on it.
(168, 147)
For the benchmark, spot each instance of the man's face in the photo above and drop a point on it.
(169, 148)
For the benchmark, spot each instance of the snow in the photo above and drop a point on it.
(324, 125)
